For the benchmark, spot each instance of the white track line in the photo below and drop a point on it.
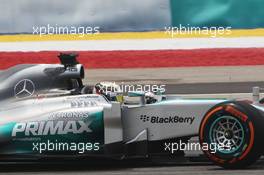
(135, 44)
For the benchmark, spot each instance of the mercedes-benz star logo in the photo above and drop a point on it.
(24, 88)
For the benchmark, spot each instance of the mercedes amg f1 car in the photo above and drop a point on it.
(46, 112)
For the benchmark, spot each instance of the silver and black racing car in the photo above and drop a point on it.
(47, 112)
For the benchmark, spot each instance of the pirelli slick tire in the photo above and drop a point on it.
(231, 134)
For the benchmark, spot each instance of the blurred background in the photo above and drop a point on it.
(18, 16)
(133, 36)
(133, 47)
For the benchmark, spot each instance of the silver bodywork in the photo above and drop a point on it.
(190, 111)
(50, 107)
(122, 123)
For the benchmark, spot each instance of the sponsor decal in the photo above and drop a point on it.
(51, 128)
(169, 119)
(24, 88)
(87, 134)
(70, 115)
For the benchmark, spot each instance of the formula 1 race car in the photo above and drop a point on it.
(47, 113)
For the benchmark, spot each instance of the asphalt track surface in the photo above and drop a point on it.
(131, 168)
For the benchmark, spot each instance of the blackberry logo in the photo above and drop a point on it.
(144, 118)
(170, 119)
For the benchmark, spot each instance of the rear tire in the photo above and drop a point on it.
(233, 131)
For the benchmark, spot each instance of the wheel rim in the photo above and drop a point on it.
(228, 132)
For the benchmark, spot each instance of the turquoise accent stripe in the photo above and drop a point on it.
(6, 130)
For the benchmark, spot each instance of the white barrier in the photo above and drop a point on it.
(110, 15)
